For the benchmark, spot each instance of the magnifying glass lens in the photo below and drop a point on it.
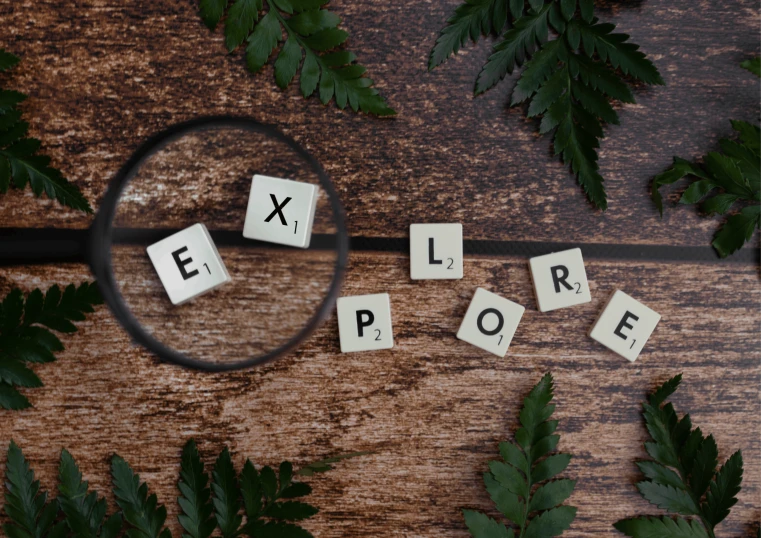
(272, 294)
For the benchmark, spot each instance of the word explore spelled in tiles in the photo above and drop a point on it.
(436, 251)
(625, 325)
(560, 280)
(188, 264)
(280, 211)
(490, 322)
(364, 323)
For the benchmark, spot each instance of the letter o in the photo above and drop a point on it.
(481, 317)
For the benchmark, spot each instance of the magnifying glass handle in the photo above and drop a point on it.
(32, 246)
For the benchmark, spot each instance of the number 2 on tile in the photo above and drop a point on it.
(377, 338)
(451, 263)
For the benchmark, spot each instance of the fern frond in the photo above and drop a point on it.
(523, 486)
(682, 473)
(311, 40)
(569, 82)
(20, 164)
(723, 179)
(26, 337)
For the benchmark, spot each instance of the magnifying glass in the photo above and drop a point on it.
(196, 177)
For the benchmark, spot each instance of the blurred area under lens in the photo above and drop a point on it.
(204, 176)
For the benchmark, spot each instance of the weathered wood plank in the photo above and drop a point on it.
(433, 408)
(103, 75)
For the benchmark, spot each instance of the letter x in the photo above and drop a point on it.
(278, 210)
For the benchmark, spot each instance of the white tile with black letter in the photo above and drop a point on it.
(560, 280)
(188, 264)
(364, 322)
(625, 325)
(436, 251)
(490, 322)
(280, 211)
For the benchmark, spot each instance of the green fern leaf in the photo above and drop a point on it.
(482, 526)
(470, 20)
(211, 12)
(651, 527)
(226, 494)
(723, 179)
(723, 490)
(520, 485)
(684, 469)
(12, 399)
(27, 507)
(197, 518)
(704, 467)
(240, 21)
(517, 44)
(325, 465)
(84, 512)
(675, 500)
(753, 65)
(568, 82)
(141, 511)
(20, 165)
(7, 60)
(25, 336)
(616, 49)
(309, 33)
(660, 474)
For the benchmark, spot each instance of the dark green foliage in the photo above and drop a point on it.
(568, 82)
(753, 65)
(726, 177)
(682, 477)
(30, 513)
(25, 336)
(267, 497)
(325, 465)
(20, 164)
(523, 486)
(308, 32)
(142, 512)
(84, 512)
(197, 509)
(264, 496)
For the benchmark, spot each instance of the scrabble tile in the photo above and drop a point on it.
(364, 323)
(560, 280)
(188, 264)
(435, 251)
(624, 325)
(490, 322)
(280, 211)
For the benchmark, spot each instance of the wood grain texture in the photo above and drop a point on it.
(103, 74)
(433, 408)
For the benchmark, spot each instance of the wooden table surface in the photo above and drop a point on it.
(102, 75)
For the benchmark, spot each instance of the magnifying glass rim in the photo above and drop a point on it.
(102, 233)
